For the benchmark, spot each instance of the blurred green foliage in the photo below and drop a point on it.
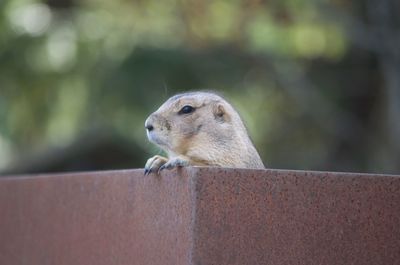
(311, 98)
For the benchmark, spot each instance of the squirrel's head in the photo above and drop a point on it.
(194, 118)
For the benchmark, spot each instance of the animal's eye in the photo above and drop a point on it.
(186, 110)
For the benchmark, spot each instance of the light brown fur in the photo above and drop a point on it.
(212, 135)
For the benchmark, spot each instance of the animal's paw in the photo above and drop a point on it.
(154, 164)
(174, 162)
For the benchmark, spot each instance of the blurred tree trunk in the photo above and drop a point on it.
(385, 28)
(380, 35)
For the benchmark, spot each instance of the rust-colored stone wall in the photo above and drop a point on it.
(200, 216)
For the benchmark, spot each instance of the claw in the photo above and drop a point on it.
(161, 168)
(153, 164)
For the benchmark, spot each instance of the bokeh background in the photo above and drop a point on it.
(317, 82)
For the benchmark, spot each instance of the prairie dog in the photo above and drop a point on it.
(199, 129)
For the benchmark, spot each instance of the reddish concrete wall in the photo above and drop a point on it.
(200, 216)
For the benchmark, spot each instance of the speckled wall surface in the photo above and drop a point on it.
(200, 216)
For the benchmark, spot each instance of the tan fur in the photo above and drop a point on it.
(212, 135)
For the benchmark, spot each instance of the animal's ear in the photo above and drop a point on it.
(220, 113)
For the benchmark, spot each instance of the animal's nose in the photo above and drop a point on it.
(148, 125)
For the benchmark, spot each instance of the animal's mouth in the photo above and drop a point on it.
(155, 138)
